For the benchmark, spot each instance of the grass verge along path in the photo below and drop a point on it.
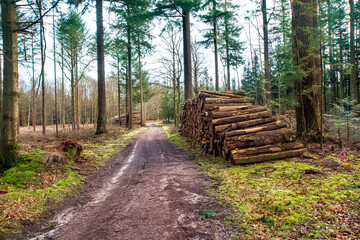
(32, 187)
(313, 197)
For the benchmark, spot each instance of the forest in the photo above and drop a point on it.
(306, 60)
(70, 69)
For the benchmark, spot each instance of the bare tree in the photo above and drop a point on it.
(173, 67)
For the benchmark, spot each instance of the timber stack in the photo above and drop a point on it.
(230, 125)
(125, 117)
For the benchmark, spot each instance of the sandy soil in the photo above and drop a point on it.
(152, 190)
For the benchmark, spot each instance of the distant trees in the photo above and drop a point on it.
(132, 25)
(172, 72)
(72, 37)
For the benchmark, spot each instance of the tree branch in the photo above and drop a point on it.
(39, 19)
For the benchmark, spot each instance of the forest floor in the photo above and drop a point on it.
(149, 190)
(35, 186)
(315, 196)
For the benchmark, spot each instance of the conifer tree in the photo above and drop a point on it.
(306, 47)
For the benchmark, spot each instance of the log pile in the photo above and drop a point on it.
(230, 125)
(123, 118)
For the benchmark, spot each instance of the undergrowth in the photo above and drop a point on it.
(299, 198)
(31, 187)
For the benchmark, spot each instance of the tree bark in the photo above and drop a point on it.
(73, 109)
(142, 122)
(34, 111)
(227, 49)
(246, 110)
(259, 139)
(101, 120)
(42, 50)
(242, 125)
(77, 97)
(269, 156)
(279, 147)
(215, 47)
(10, 114)
(266, 56)
(55, 83)
(130, 122)
(187, 55)
(119, 88)
(241, 118)
(232, 135)
(307, 59)
(353, 87)
(62, 89)
(1, 84)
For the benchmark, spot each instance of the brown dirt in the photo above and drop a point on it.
(152, 190)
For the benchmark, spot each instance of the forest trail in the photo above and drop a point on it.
(153, 191)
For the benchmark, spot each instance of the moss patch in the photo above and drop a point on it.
(287, 199)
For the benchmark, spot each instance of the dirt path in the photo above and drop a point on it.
(151, 191)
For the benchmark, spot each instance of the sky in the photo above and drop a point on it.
(151, 62)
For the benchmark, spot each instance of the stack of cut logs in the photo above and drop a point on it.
(136, 118)
(229, 124)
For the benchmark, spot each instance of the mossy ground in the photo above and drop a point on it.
(301, 198)
(31, 187)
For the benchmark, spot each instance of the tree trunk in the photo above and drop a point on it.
(77, 99)
(187, 55)
(142, 122)
(130, 123)
(353, 87)
(174, 85)
(42, 50)
(34, 111)
(1, 85)
(10, 114)
(215, 47)
(73, 109)
(101, 121)
(307, 58)
(62, 89)
(55, 83)
(227, 49)
(266, 57)
(119, 88)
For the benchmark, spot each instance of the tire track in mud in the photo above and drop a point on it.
(155, 192)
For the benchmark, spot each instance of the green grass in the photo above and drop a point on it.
(27, 189)
(280, 200)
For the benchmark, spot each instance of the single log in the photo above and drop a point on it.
(241, 118)
(245, 110)
(265, 127)
(216, 106)
(279, 147)
(230, 100)
(224, 94)
(234, 108)
(260, 138)
(241, 125)
(269, 156)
